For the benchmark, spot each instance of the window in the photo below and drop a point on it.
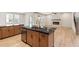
(31, 21)
(16, 19)
(9, 19)
(42, 21)
(12, 19)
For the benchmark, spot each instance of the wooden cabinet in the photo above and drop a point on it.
(43, 40)
(38, 39)
(5, 32)
(0, 33)
(11, 31)
(46, 40)
(8, 31)
(29, 37)
(35, 39)
(17, 29)
(24, 35)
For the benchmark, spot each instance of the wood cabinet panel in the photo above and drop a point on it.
(5, 32)
(38, 39)
(43, 40)
(0, 34)
(17, 29)
(29, 37)
(11, 30)
(24, 35)
(35, 39)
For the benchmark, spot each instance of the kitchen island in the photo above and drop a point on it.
(38, 37)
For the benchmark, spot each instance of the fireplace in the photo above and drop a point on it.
(56, 23)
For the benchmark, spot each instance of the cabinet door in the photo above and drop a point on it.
(43, 40)
(11, 31)
(0, 34)
(35, 39)
(24, 35)
(29, 37)
(17, 29)
(5, 32)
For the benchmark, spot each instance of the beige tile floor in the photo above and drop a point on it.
(14, 41)
(76, 42)
(65, 37)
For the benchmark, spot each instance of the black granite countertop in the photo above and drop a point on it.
(42, 30)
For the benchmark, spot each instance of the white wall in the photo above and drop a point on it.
(2, 19)
(68, 20)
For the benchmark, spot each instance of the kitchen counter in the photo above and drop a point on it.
(38, 37)
(42, 30)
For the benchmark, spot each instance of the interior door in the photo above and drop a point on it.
(76, 20)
